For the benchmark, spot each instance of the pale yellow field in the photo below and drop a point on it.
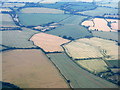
(95, 66)
(101, 24)
(41, 10)
(48, 43)
(92, 48)
(30, 69)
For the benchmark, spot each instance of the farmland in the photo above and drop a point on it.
(95, 65)
(79, 78)
(18, 39)
(13, 5)
(47, 42)
(30, 69)
(6, 21)
(71, 28)
(94, 24)
(40, 18)
(106, 35)
(41, 10)
(92, 48)
(100, 11)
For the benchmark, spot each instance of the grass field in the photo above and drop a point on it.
(49, 43)
(6, 21)
(30, 69)
(18, 39)
(41, 10)
(106, 35)
(40, 18)
(71, 28)
(92, 48)
(13, 5)
(100, 11)
(79, 78)
(113, 63)
(95, 66)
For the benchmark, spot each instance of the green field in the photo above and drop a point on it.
(71, 28)
(100, 11)
(18, 39)
(79, 78)
(33, 19)
(106, 35)
(113, 63)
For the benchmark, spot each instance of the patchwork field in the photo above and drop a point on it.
(95, 65)
(71, 28)
(106, 24)
(113, 63)
(41, 10)
(78, 77)
(6, 21)
(49, 43)
(100, 11)
(30, 69)
(18, 39)
(92, 48)
(40, 18)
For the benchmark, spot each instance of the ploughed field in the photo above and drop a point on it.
(78, 77)
(30, 69)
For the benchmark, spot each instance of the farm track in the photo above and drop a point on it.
(79, 78)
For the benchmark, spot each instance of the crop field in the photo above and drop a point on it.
(5, 9)
(30, 69)
(40, 18)
(113, 63)
(13, 5)
(80, 6)
(106, 35)
(94, 24)
(94, 65)
(92, 48)
(79, 78)
(17, 39)
(100, 11)
(6, 21)
(48, 43)
(71, 28)
(41, 10)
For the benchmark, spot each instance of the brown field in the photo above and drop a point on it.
(92, 48)
(41, 10)
(101, 24)
(30, 69)
(48, 43)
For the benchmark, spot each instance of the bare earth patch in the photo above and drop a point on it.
(41, 10)
(49, 43)
(30, 69)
